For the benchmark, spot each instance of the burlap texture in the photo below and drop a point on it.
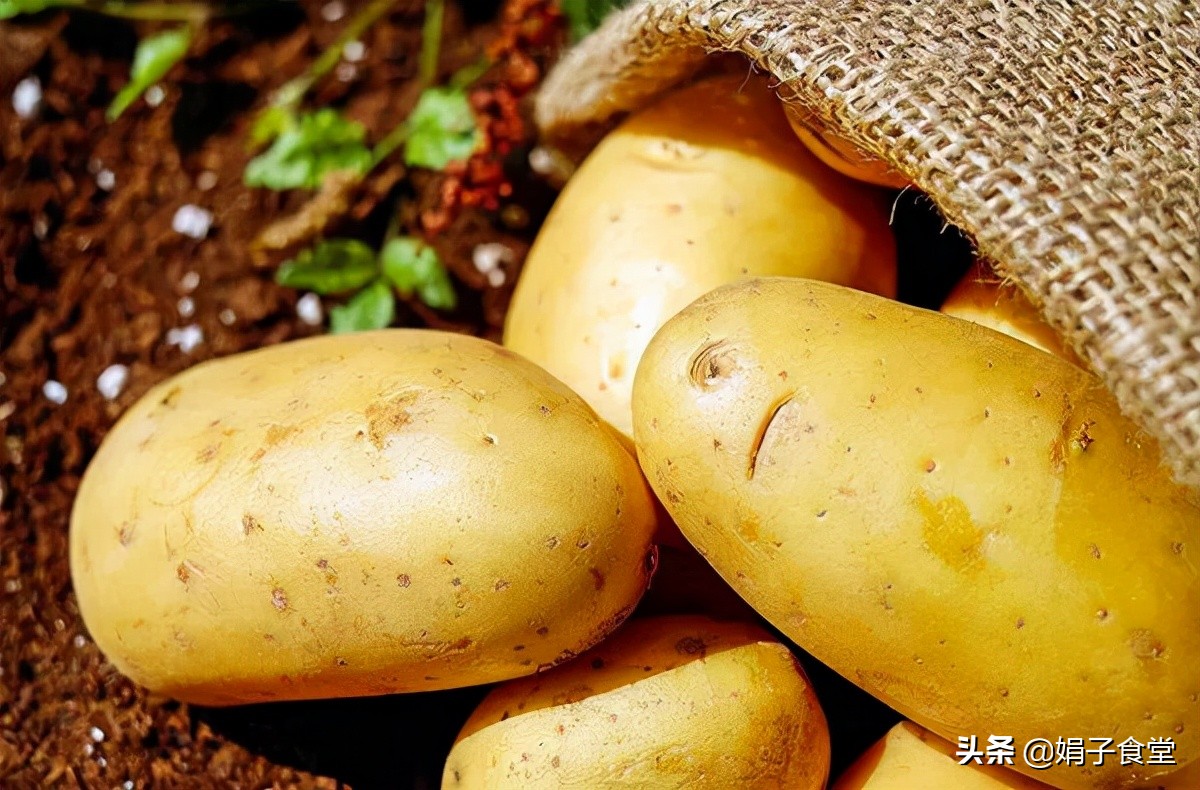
(1063, 136)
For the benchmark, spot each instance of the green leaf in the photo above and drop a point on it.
(442, 129)
(305, 151)
(414, 267)
(584, 16)
(334, 266)
(373, 307)
(270, 123)
(153, 58)
(11, 8)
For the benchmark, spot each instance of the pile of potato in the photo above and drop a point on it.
(703, 351)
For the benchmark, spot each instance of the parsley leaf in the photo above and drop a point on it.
(441, 129)
(414, 267)
(315, 144)
(584, 16)
(374, 307)
(153, 58)
(333, 266)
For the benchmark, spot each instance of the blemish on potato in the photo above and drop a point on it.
(208, 453)
(389, 417)
(597, 578)
(403, 579)
(501, 585)
(250, 524)
(691, 646)
(950, 533)
(713, 362)
(1102, 615)
(930, 466)
(277, 433)
(1177, 547)
(552, 543)
(125, 533)
(1094, 550)
(1145, 645)
(279, 599)
(456, 582)
(171, 397)
(1020, 623)
(490, 439)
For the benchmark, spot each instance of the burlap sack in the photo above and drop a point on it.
(1062, 135)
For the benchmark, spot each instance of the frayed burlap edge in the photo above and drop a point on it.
(1063, 137)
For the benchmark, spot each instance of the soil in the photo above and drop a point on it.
(92, 274)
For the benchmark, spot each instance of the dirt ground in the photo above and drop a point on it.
(92, 274)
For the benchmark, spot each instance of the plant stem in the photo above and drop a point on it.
(291, 92)
(165, 12)
(391, 141)
(431, 40)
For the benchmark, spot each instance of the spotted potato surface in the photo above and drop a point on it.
(961, 524)
(359, 514)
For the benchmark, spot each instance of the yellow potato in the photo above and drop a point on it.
(982, 298)
(668, 702)
(909, 757)
(358, 514)
(963, 525)
(842, 156)
(705, 186)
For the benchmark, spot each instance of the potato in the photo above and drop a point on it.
(358, 514)
(680, 701)
(705, 186)
(963, 525)
(910, 757)
(842, 156)
(983, 298)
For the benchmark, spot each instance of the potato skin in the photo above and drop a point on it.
(351, 515)
(910, 757)
(842, 156)
(983, 298)
(962, 525)
(704, 187)
(681, 701)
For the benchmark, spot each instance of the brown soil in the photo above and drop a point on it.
(92, 276)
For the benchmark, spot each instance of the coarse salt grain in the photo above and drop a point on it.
(106, 180)
(496, 278)
(192, 221)
(227, 317)
(55, 392)
(186, 307)
(189, 282)
(308, 309)
(332, 12)
(96, 734)
(345, 72)
(79, 641)
(155, 95)
(187, 338)
(490, 255)
(112, 380)
(27, 97)
(206, 180)
(354, 51)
